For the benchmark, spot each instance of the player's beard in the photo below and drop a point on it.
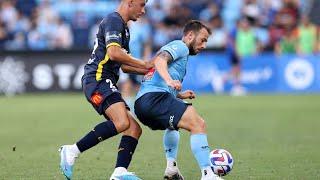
(192, 50)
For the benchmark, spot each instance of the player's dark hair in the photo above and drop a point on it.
(195, 26)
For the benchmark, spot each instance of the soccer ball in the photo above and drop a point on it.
(221, 161)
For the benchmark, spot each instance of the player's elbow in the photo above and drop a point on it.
(159, 63)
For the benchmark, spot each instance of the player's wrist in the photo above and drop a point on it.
(168, 81)
(180, 96)
(143, 64)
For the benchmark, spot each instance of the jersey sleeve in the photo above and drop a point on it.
(113, 29)
(176, 50)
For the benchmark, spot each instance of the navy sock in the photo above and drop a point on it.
(100, 133)
(127, 147)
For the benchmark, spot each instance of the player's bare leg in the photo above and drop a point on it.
(134, 130)
(192, 122)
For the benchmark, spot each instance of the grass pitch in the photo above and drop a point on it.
(270, 137)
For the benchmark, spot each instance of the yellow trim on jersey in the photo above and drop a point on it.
(113, 44)
(104, 61)
(100, 67)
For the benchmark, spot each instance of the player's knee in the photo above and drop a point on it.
(125, 125)
(137, 131)
(198, 125)
(134, 130)
(122, 125)
(202, 124)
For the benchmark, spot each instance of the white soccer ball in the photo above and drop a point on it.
(221, 161)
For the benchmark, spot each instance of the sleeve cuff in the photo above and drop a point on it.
(113, 44)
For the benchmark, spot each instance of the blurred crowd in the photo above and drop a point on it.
(247, 26)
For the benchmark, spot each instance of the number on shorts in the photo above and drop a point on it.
(112, 87)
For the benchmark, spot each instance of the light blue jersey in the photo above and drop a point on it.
(153, 82)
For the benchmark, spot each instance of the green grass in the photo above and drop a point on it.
(270, 137)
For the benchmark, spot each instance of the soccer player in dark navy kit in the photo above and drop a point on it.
(111, 52)
(159, 102)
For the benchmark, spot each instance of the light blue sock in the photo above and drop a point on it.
(171, 143)
(200, 149)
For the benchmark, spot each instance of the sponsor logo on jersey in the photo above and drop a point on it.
(114, 35)
(96, 99)
(149, 74)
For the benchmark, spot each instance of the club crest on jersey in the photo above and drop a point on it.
(96, 99)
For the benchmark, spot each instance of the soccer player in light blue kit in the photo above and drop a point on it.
(159, 102)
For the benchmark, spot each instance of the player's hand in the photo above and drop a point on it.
(149, 64)
(187, 94)
(175, 84)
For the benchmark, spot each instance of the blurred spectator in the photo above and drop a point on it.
(93, 32)
(307, 36)
(218, 39)
(17, 43)
(22, 24)
(212, 10)
(231, 12)
(251, 10)
(262, 35)
(26, 7)
(241, 35)
(140, 40)
(47, 14)
(172, 18)
(289, 13)
(63, 37)
(314, 11)
(155, 12)
(8, 13)
(269, 8)
(246, 43)
(37, 40)
(287, 44)
(167, 5)
(80, 28)
(194, 6)
(3, 34)
(161, 35)
(276, 31)
(268, 19)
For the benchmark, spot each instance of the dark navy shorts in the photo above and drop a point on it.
(234, 59)
(159, 110)
(101, 94)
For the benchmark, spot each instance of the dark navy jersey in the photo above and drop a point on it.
(113, 31)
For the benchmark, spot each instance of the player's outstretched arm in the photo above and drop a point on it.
(115, 53)
(161, 65)
(130, 69)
